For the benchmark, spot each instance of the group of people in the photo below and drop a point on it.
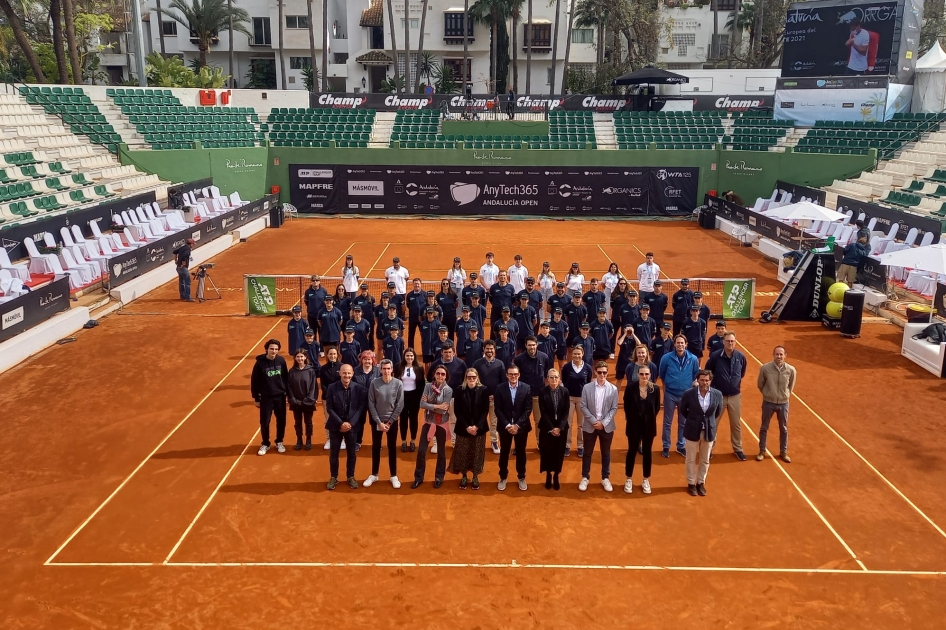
(465, 388)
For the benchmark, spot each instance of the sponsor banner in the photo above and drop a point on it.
(24, 312)
(805, 107)
(809, 299)
(798, 191)
(871, 273)
(839, 37)
(939, 299)
(464, 190)
(136, 262)
(12, 237)
(788, 235)
(733, 102)
(737, 298)
(887, 217)
(261, 295)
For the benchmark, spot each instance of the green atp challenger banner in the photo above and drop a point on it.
(737, 299)
(261, 296)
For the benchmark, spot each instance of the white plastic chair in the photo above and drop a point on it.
(131, 239)
(10, 287)
(66, 236)
(926, 240)
(77, 235)
(119, 244)
(86, 271)
(911, 237)
(20, 270)
(107, 247)
(117, 219)
(235, 200)
(94, 226)
(49, 240)
(91, 251)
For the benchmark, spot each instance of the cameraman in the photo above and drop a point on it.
(183, 261)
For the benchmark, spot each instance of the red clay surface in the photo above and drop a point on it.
(82, 417)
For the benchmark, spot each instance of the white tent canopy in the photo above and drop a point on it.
(805, 211)
(929, 94)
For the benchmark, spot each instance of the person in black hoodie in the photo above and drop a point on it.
(328, 374)
(303, 392)
(268, 386)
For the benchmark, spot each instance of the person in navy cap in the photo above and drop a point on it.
(527, 318)
(585, 340)
(705, 312)
(505, 347)
(361, 326)
(397, 299)
(366, 301)
(350, 349)
(296, 329)
(559, 299)
(535, 295)
(715, 342)
(474, 288)
(645, 327)
(473, 347)
(602, 332)
(393, 346)
(657, 301)
(447, 301)
(558, 328)
(390, 320)
(330, 323)
(694, 329)
(575, 314)
(478, 313)
(547, 343)
(312, 347)
(416, 302)
(431, 298)
(506, 319)
(381, 314)
(462, 328)
(500, 294)
(680, 304)
(662, 344)
(429, 331)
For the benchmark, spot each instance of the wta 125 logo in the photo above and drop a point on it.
(665, 174)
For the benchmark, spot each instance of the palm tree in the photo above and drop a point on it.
(420, 49)
(528, 37)
(594, 14)
(466, 46)
(426, 65)
(55, 10)
(315, 66)
(407, 45)
(393, 38)
(20, 36)
(568, 46)
(229, 43)
(205, 19)
(282, 58)
(491, 12)
(324, 46)
(515, 13)
(558, 13)
(68, 17)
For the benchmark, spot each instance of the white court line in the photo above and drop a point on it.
(807, 500)
(209, 499)
(378, 259)
(160, 444)
(340, 256)
(515, 565)
(861, 457)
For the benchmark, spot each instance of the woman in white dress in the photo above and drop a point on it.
(574, 280)
(351, 277)
(610, 281)
(547, 288)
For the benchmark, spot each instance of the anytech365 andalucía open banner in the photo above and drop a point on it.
(465, 190)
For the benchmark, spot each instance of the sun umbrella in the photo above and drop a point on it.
(805, 211)
(650, 76)
(929, 258)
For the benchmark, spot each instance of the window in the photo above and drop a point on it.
(401, 68)
(548, 76)
(681, 41)
(719, 47)
(415, 23)
(725, 5)
(457, 66)
(261, 32)
(583, 35)
(453, 25)
(541, 36)
(298, 63)
(169, 28)
(297, 21)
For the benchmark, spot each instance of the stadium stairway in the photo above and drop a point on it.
(605, 135)
(381, 132)
(113, 114)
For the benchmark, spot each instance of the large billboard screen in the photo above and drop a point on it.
(470, 190)
(837, 38)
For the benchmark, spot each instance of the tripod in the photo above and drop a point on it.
(202, 278)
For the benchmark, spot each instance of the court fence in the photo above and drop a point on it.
(727, 298)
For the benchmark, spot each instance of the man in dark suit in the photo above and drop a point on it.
(345, 403)
(513, 404)
(702, 407)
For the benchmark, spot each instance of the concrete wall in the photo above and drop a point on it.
(252, 171)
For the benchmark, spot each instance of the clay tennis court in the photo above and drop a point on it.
(132, 496)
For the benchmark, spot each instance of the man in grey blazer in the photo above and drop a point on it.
(599, 404)
(702, 406)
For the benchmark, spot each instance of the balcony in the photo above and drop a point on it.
(337, 71)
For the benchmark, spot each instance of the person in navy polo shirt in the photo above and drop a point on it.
(547, 343)
(559, 299)
(505, 347)
(715, 342)
(330, 324)
(314, 299)
(362, 328)
(645, 328)
(558, 328)
(681, 303)
(474, 288)
(296, 329)
(416, 302)
(601, 331)
(473, 347)
(526, 321)
(575, 313)
(478, 313)
(657, 300)
(694, 329)
(501, 295)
